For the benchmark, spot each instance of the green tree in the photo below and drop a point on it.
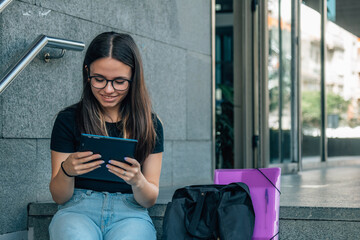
(311, 107)
(336, 104)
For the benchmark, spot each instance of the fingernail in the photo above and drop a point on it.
(107, 165)
(102, 162)
(110, 161)
(125, 158)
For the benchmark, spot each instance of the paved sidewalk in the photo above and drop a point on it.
(325, 187)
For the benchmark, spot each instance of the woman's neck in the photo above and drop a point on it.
(112, 116)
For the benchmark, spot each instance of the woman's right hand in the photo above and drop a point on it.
(78, 163)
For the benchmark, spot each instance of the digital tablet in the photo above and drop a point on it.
(110, 148)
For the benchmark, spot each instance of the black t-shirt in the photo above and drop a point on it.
(65, 138)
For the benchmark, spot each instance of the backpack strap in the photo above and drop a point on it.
(197, 214)
(192, 227)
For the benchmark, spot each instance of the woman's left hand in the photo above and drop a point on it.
(131, 174)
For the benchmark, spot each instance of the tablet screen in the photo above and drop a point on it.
(110, 148)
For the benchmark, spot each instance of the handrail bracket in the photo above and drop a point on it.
(47, 56)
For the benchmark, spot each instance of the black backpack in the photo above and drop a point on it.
(210, 212)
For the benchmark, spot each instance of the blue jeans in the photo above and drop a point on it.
(101, 215)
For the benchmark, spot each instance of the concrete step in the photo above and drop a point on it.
(319, 223)
(295, 222)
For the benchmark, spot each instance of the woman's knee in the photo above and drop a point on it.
(132, 228)
(73, 226)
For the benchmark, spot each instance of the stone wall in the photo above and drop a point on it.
(175, 43)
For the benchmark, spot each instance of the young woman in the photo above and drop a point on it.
(114, 103)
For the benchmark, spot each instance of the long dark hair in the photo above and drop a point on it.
(135, 108)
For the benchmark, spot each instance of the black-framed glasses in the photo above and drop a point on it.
(119, 84)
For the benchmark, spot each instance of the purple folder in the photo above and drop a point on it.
(264, 185)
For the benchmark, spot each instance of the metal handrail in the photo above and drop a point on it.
(39, 43)
(3, 4)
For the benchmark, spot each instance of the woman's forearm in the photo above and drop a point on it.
(61, 184)
(143, 180)
(145, 193)
(61, 187)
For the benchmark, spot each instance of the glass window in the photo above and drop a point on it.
(224, 90)
(279, 67)
(310, 27)
(342, 85)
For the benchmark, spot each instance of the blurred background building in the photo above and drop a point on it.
(312, 83)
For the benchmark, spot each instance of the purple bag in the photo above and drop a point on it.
(264, 185)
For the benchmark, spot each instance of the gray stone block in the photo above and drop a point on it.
(167, 165)
(17, 174)
(25, 174)
(29, 1)
(165, 77)
(13, 209)
(159, 20)
(43, 168)
(198, 97)
(76, 8)
(166, 193)
(195, 25)
(2, 67)
(119, 14)
(164, 68)
(1, 116)
(32, 115)
(192, 162)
